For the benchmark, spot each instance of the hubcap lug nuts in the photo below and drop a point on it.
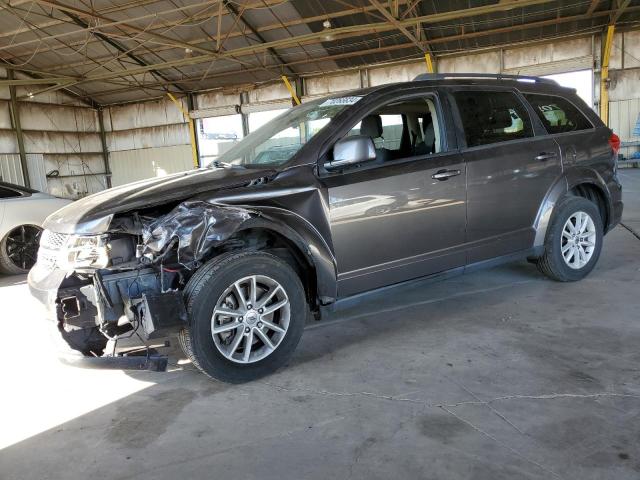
(247, 330)
(249, 306)
(240, 319)
(261, 310)
(259, 324)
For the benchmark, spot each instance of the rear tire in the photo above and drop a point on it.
(574, 240)
(255, 333)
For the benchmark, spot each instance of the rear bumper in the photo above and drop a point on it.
(616, 214)
(616, 206)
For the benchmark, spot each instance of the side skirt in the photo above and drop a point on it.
(354, 300)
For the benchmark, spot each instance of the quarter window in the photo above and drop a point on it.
(492, 117)
(557, 114)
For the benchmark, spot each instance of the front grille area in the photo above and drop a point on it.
(50, 245)
(52, 240)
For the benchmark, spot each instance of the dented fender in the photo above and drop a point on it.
(196, 228)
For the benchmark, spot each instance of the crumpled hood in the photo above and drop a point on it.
(93, 214)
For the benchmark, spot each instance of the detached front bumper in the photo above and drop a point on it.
(71, 306)
(75, 314)
(44, 287)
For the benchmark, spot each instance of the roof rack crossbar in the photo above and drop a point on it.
(495, 76)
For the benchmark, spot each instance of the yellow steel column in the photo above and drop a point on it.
(292, 92)
(192, 131)
(429, 61)
(604, 75)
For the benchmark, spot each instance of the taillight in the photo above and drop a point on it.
(614, 143)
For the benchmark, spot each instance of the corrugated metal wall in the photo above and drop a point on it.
(146, 140)
(37, 172)
(623, 115)
(131, 165)
(61, 139)
(10, 169)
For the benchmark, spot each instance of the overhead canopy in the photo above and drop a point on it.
(110, 51)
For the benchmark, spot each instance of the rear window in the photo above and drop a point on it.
(492, 117)
(557, 114)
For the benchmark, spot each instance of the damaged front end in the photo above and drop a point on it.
(124, 285)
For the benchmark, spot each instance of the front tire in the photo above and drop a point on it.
(574, 241)
(247, 312)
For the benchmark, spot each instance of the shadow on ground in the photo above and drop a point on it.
(500, 374)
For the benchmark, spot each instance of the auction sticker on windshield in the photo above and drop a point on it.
(340, 101)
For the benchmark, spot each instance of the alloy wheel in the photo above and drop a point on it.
(22, 246)
(250, 319)
(578, 240)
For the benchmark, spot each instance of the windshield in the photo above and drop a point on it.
(278, 141)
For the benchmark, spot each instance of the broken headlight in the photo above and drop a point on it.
(85, 251)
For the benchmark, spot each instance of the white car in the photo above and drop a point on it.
(22, 212)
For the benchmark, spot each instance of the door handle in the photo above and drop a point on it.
(546, 156)
(445, 174)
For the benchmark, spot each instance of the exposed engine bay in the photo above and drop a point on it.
(129, 281)
(114, 270)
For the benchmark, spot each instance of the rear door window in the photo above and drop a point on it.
(492, 117)
(558, 114)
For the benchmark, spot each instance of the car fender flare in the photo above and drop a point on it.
(563, 184)
(307, 239)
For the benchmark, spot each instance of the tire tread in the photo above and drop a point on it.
(547, 265)
(199, 281)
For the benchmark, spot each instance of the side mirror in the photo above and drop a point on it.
(352, 150)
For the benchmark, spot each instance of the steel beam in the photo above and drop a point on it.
(604, 74)
(622, 6)
(607, 44)
(105, 149)
(74, 13)
(191, 106)
(592, 6)
(292, 92)
(198, 17)
(14, 111)
(359, 53)
(123, 7)
(396, 23)
(105, 22)
(33, 81)
(429, 61)
(192, 133)
(343, 32)
(121, 48)
(234, 12)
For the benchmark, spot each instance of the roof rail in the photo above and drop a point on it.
(494, 76)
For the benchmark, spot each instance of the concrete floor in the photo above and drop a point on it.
(500, 374)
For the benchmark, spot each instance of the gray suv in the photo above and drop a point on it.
(335, 197)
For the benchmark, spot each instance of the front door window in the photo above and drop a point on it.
(398, 216)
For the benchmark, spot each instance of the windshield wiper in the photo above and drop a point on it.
(219, 164)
